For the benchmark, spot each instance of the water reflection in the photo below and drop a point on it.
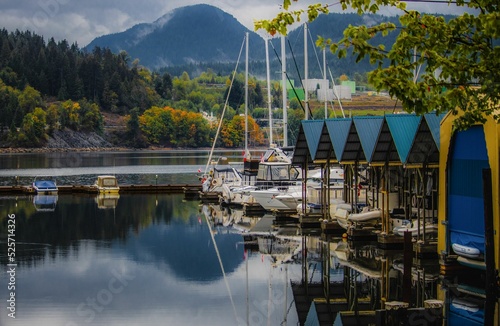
(156, 259)
(151, 260)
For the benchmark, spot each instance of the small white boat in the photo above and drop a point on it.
(45, 203)
(44, 187)
(366, 215)
(464, 304)
(430, 228)
(466, 251)
(341, 214)
(107, 184)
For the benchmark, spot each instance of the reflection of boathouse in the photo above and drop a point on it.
(362, 284)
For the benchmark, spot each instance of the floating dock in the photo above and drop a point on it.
(90, 189)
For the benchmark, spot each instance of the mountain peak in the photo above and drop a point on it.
(191, 34)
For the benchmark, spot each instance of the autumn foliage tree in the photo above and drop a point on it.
(170, 127)
(233, 133)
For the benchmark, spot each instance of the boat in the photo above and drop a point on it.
(45, 203)
(467, 251)
(107, 184)
(44, 186)
(222, 173)
(107, 200)
(413, 227)
(342, 213)
(275, 176)
(278, 199)
(367, 217)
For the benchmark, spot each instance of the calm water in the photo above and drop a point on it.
(136, 259)
(151, 260)
(140, 167)
(160, 260)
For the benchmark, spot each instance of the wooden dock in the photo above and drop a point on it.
(91, 189)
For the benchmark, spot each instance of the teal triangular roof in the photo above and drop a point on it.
(403, 128)
(434, 123)
(368, 129)
(301, 151)
(312, 131)
(425, 148)
(339, 131)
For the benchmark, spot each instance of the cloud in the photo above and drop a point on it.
(82, 21)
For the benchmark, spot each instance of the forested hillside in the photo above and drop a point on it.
(57, 86)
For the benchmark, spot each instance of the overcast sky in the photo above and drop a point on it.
(81, 21)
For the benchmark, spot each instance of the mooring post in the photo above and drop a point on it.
(489, 243)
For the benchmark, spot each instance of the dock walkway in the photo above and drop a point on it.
(91, 189)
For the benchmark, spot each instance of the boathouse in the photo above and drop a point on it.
(390, 162)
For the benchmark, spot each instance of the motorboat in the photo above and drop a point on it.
(107, 200)
(107, 184)
(45, 203)
(281, 199)
(45, 186)
(290, 199)
(221, 174)
(275, 175)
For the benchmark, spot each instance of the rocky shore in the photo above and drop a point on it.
(67, 141)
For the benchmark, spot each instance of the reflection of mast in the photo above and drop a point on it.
(222, 267)
(286, 296)
(269, 300)
(248, 301)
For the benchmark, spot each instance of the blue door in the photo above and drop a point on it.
(468, 157)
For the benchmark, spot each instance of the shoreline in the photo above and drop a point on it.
(41, 150)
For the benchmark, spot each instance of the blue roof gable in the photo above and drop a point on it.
(368, 129)
(403, 128)
(339, 131)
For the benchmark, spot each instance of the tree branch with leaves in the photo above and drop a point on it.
(435, 65)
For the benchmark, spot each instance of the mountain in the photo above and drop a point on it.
(332, 26)
(186, 35)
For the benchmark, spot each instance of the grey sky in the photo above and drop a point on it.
(82, 21)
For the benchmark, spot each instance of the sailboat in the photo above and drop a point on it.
(274, 173)
(223, 175)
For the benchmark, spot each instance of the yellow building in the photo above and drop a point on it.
(468, 190)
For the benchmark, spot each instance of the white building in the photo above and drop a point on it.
(338, 92)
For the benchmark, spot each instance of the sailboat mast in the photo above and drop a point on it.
(306, 73)
(284, 92)
(325, 83)
(246, 98)
(269, 100)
